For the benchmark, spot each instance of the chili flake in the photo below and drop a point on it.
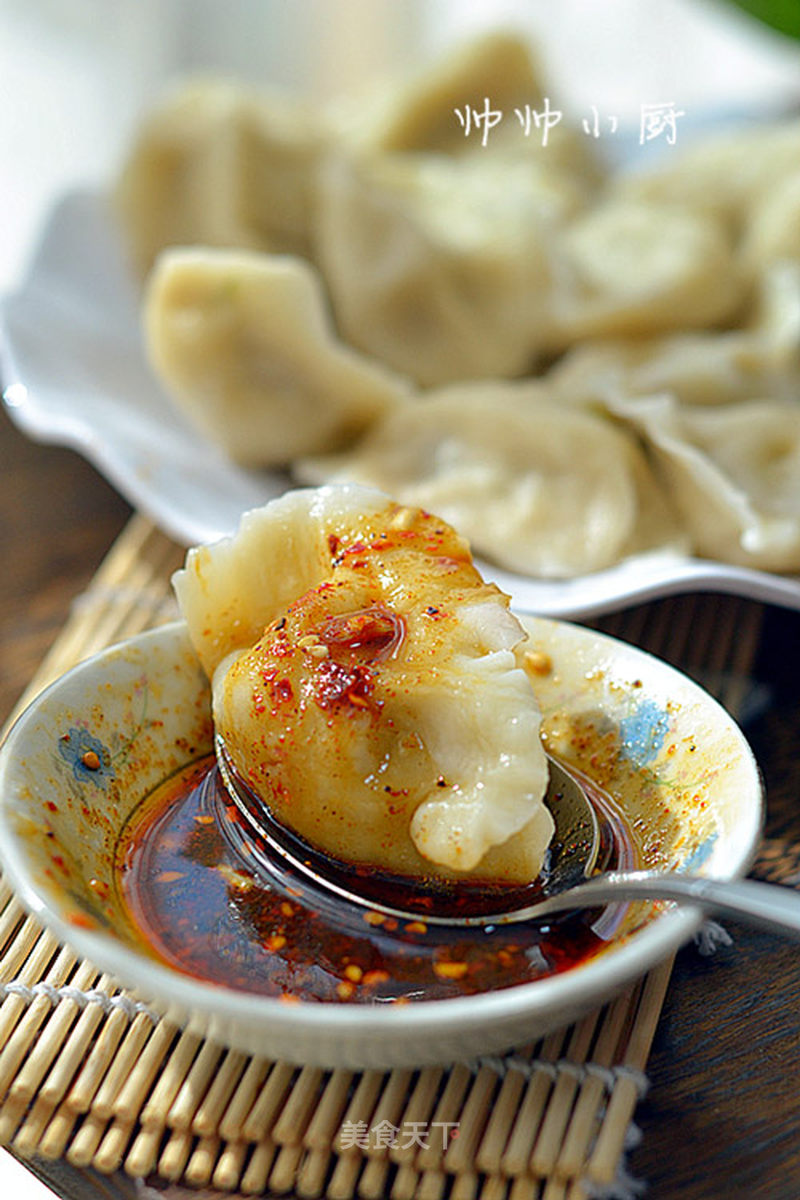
(450, 970)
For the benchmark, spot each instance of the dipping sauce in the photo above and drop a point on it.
(210, 898)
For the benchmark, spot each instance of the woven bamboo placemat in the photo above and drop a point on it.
(89, 1076)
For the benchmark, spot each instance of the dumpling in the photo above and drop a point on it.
(761, 358)
(366, 686)
(242, 342)
(631, 268)
(724, 174)
(537, 487)
(441, 267)
(773, 228)
(217, 165)
(428, 110)
(733, 473)
(697, 367)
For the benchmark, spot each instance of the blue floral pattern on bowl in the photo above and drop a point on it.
(642, 734)
(89, 758)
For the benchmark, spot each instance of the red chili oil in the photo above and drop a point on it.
(209, 897)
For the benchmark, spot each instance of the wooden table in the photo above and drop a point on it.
(722, 1118)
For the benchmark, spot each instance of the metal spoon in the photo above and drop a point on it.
(568, 884)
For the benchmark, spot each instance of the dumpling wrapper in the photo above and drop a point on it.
(724, 175)
(634, 268)
(733, 473)
(442, 267)
(773, 228)
(536, 486)
(761, 358)
(366, 686)
(242, 343)
(419, 112)
(216, 164)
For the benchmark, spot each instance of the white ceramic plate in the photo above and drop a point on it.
(75, 373)
(672, 756)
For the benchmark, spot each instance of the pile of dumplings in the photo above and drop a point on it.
(570, 365)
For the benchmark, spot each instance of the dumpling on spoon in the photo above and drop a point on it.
(365, 683)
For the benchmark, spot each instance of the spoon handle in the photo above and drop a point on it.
(767, 905)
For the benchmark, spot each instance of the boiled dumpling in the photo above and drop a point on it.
(242, 342)
(762, 358)
(723, 175)
(441, 267)
(733, 473)
(366, 687)
(217, 165)
(633, 268)
(434, 110)
(536, 486)
(773, 229)
(418, 113)
(698, 368)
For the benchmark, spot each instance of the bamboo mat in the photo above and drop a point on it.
(90, 1077)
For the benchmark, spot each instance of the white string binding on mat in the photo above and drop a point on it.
(131, 1008)
(623, 1186)
(710, 937)
(563, 1066)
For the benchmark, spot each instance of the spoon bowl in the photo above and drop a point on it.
(571, 857)
(567, 882)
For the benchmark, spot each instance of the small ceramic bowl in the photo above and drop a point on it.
(88, 750)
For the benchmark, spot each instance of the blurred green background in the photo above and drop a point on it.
(780, 14)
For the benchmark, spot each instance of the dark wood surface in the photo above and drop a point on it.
(722, 1118)
(58, 518)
